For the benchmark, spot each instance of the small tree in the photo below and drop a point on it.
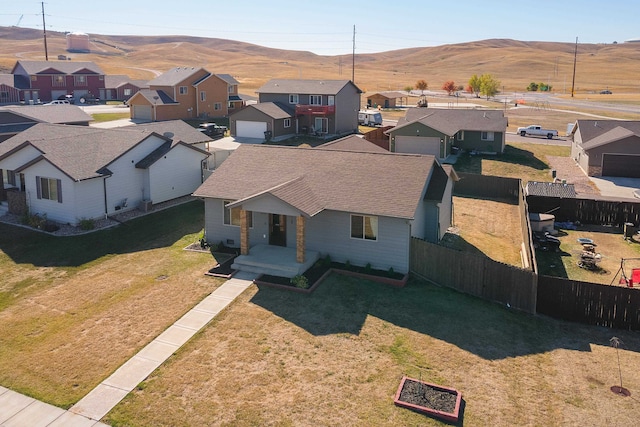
(474, 84)
(449, 86)
(533, 87)
(422, 85)
(488, 85)
(408, 88)
(469, 89)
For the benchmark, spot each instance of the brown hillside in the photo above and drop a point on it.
(514, 63)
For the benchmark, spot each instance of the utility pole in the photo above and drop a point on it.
(575, 56)
(353, 57)
(44, 33)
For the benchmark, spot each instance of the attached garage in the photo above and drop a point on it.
(142, 112)
(417, 145)
(626, 165)
(250, 129)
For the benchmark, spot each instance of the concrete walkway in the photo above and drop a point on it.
(17, 410)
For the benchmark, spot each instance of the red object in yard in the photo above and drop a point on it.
(635, 277)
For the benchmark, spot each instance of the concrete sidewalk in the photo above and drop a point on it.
(17, 410)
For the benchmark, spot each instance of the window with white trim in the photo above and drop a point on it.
(203, 96)
(217, 106)
(10, 177)
(79, 80)
(460, 135)
(364, 227)
(232, 216)
(49, 188)
(183, 90)
(287, 123)
(293, 98)
(127, 92)
(331, 100)
(315, 99)
(486, 136)
(58, 81)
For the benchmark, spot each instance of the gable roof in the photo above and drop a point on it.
(155, 97)
(50, 113)
(177, 130)
(595, 133)
(313, 87)
(115, 81)
(175, 75)
(449, 121)
(81, 152)
(227, 78)
(65, 67)
(352, 143)
(360, 182)
(391, 94)
(273, 109)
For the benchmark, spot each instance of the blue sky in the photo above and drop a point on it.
(326, 27)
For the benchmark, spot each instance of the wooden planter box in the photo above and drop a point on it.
(451, 417)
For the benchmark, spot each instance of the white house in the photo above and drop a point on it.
(72, 173)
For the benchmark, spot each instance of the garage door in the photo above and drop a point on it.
(247, 129)
(621, 165)
(142, 112)
(418, 145)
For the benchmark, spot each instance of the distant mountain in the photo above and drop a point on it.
(514, 63)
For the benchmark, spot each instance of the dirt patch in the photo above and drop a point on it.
(567, 169)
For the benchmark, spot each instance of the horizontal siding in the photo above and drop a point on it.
(216, 231)
(19, 158)
(60, 212)
(176, 174)
(89, 197)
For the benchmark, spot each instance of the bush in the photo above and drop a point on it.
(86, 224)
(327, 260)
(300, 281)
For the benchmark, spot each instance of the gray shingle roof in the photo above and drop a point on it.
(115, 81)
(551, 189)
(451, 121)
(157, 97)
(50, 113)
(66, 67)
(391, 94)
(382, 184)
(314, 87)
(273, 110)
(600, 132)
(81, 152)
(352, 143)
(178, 130)
(228, 78)
(174, 76)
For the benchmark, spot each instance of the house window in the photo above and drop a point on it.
(486, 136)
(364, 227)
(80, 80)
(231, 105)
(203, 96)
(182, 90)
(11, 178)
(321, 125)
(293, 98)
(100, 78)
(127, 92)
(217, 106)
(460, 135)
(287, 123)
(232, 216)
(331, 100)
(58, 81)
(230, 89)
(315, 99)
(49, 188)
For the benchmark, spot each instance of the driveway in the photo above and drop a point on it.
(618, 187)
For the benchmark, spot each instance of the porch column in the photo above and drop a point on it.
(244, 233)
(300, 239)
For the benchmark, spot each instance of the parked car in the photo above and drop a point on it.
(58, 102)
(605, 92)
(68, 98)
(537, 130)
(213, 130)
(545, 241)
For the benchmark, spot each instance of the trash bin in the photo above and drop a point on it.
(553, 173)
(629, 230)
(267, 135)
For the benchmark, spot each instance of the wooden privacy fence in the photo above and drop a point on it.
(587, 211)
(475, 275)
(592, 303)
(472, 184)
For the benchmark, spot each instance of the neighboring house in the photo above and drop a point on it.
(49, 80)
(121, 87)
(70, 173)
(353, 143)
(436, 131)
(15, 118)
(607, 147)
(186, 93)
(387, 99)
(361, 207)
(320, 107)
(265, 120)
(551, 189)
(10, 87)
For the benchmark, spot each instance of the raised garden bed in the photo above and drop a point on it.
(430, 399)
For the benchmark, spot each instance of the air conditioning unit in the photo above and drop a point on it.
(146, 205)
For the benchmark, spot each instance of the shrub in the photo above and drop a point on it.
(367, 267)
(347, 265)
(327, 260)
(300, 281)
(391, 272)
(86, 224)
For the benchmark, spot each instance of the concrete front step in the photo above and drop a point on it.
(274, 260)
(263, 269)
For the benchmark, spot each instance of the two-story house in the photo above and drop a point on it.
(186, 93)
(289, 107)
(50, 80)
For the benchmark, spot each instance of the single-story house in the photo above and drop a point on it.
(265, 120)
(71, 173)
(436, 131)
(16, 118)
(386, 99)
(607, 147)
(358, 206)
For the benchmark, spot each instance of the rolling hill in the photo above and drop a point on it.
(514, 63)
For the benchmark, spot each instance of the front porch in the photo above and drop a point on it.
(274, 260)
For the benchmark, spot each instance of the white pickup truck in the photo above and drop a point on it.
(537, 130)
